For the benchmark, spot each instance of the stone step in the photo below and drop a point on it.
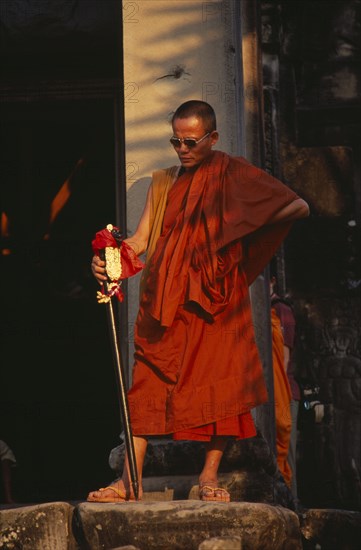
(37, 527)
(186, 524)
(175, 525)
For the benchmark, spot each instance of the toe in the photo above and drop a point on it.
(91, 495)
(222, 495)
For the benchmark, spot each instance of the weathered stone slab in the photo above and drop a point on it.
(164, 494)
(184, 525)
(321, 174)
(331, 529)
(221, 543)
(176, 487)
(38, 527)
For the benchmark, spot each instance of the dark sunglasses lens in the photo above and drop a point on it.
(176, 142)
(188, 142)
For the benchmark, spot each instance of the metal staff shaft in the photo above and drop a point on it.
(123, 398)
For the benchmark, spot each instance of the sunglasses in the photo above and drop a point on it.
(188, 142)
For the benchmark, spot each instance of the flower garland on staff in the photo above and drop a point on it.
(121, 262)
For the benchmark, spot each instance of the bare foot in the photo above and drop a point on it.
(116, 492)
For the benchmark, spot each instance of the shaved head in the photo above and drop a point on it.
(198, 109)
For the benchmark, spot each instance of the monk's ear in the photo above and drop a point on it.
(214, 137)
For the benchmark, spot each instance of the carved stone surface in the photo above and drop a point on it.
(329, 353)
(45, 526)
(331, 529)
(221, 543)
(186, 524)
(323, 175)
(315, 104)
(324, 40)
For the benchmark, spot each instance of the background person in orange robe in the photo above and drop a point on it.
(282, 397)
(286, 392)
(209, 228)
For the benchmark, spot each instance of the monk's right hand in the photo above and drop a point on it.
(98, 269)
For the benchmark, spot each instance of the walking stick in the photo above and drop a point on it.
(121, 262)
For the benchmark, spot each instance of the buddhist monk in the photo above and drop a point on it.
(209, 227)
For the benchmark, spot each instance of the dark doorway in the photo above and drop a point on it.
(58, 404)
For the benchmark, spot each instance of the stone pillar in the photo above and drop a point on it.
(271, 32)
(253, 150)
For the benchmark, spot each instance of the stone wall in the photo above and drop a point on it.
(312, 100)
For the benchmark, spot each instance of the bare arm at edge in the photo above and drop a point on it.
(296, 210)
(286, 356)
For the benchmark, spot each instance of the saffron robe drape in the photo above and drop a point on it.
(196, 361)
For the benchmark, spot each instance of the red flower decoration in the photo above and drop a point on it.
(131, 264)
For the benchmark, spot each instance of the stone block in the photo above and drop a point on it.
(185, 525)
(331, 529)
(37, 527)
(221, 543)
(323, 176)
(164, 494)
(172, 487)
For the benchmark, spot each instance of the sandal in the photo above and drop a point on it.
(208, 493)
(120, 496)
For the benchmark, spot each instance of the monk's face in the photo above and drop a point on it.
(193, 127)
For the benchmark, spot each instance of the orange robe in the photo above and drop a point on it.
(196, 361)
(282, 397)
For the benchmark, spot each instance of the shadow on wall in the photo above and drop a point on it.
(172, 68)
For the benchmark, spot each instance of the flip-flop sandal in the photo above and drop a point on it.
(208, 494)
(122, 497)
